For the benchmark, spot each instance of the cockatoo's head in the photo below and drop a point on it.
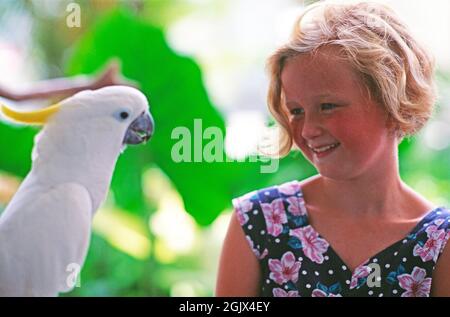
(120, 110)
(82, 136)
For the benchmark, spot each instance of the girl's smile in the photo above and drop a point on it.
(323, 150)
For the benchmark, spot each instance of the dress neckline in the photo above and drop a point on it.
(377, 254)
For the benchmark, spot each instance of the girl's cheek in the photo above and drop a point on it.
(299, 141)
(348, 128)
(342, 126)
(296, 131)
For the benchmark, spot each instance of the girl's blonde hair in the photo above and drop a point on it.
(396, 70)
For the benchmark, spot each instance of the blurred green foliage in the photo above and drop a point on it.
(174, 86)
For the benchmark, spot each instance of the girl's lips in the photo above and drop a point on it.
(325, 150)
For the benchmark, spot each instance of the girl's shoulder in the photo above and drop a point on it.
(267, 214)
(436, 219)
(267, 194)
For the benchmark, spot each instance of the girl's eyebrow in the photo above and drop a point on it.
(320, 96)
(292, 103)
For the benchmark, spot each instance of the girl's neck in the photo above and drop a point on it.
(363, 195)
(377, 193)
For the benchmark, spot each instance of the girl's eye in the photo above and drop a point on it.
(296, 111)
(328, 106)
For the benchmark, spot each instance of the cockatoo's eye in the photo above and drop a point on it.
(122, 115)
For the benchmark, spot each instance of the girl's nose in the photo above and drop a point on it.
(311, 128)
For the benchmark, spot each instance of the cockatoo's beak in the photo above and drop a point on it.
(140, 130)
(38, 117)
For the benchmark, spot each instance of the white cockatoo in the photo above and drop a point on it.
(45, 229)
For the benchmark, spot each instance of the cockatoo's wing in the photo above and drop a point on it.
(44, 237)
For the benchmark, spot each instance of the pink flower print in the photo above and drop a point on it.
(360, 272)
(284, 270)
(296, 206)
(290, 188)
(243, 206)
(313, 246)
(278, 292)
(320, 293)
(431, 229)
(416, 285)
(242, 218)
(433, 246)
(255, 250)
(275, 216)
(263, 255)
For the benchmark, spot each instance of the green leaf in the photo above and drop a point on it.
(174, 86)
(16, 143)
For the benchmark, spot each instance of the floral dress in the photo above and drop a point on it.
(296, 261)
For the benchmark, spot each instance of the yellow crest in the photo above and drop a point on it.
(38, 117)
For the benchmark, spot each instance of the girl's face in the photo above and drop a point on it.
(332, 119)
